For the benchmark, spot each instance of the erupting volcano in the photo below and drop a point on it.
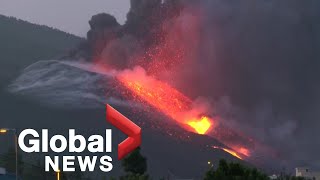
(177, 106)
(166, 99)
(199, 77)
(164, 55)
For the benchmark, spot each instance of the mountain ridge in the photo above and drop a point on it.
(23, 43)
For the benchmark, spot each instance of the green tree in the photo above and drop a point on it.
(233, 171)
(135, 163)
(135, 177)
(135, 166)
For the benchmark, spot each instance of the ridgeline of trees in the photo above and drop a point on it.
(234, 171)
(23, 43)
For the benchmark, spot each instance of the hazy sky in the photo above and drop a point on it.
(67, 15)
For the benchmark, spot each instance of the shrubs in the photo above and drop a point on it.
(233, 171)
(135, 166)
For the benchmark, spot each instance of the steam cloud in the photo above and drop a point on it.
(255, 61)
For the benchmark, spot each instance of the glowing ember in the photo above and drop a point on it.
(165, 98)
(244, 151)
(201, 126)
(233, 153)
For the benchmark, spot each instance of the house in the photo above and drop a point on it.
(307, 173)
(273, 177)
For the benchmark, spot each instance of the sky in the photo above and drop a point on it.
(71, 16)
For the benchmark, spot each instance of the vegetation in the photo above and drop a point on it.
(135, 166)
(135, 163)
(234, 171)
(23, 43)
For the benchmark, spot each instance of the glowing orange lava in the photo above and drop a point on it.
(230, 151)
(244, 151)
(201, 126)
(165, 98)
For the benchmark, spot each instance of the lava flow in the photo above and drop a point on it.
(230, 151)
(201, 126)
(166, 99)
(177, 106)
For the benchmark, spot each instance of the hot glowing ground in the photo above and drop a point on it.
(201, 125)
(230, 151)
(174, 104)
(166, 99)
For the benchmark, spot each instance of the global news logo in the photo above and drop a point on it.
(31, 141)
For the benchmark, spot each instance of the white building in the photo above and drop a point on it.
(273, 177)
(2, 171)
(307, 173)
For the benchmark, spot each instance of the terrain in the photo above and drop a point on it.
(170, 150)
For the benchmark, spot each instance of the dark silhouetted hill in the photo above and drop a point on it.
(23, 43)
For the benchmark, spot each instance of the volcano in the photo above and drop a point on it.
(47, 98)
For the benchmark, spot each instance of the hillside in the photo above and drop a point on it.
(22, 43)
(170, 149)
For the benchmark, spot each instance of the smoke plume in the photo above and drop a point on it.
(255, 62)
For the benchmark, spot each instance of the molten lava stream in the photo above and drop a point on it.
(230, 151)
(166, 99)
(177, 106)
